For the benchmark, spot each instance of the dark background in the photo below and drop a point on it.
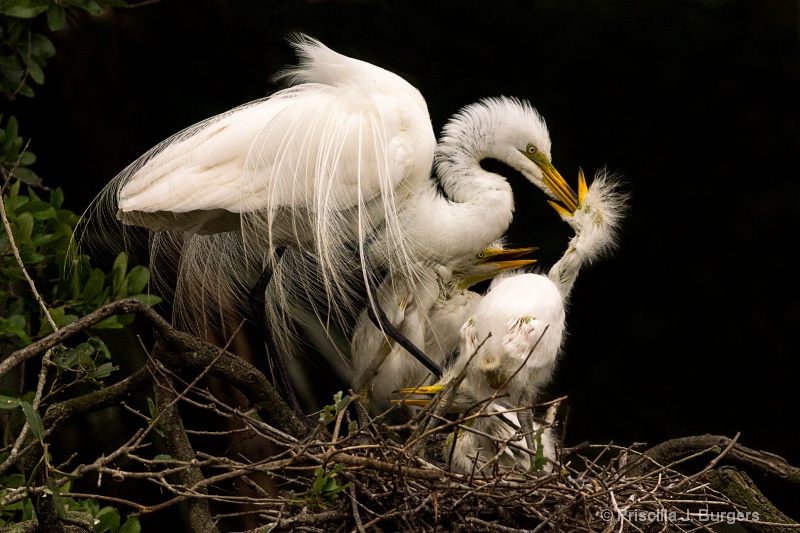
(692, 326)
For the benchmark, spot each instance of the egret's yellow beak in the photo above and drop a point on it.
(553, 179)
(430, 390)
(492, 261)
(582, 190)
(495, 255)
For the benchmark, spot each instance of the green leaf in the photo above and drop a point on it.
(27, 92)
(24, 228)
(117, 274)
(67, 320)
(153, 408)
(80, 355)
(94, 285)
(29, 255)
(41, 240)
(14, 481)
(24, 9)
(100, 348)
(319, 480)
(34, 420)
(15, 325)
(154, 414)
(57, 501)
(41, 45)
(25, 174)
(137, 279)
(57, 314)
(107, 520)
(69, 359)
(56, 197)
(103, 371)
(90, 6)
(111, 322)
(56, 17)
(12, 131)
(126, 320)
(162, 457)
(342, 403)
(35, 207)
(148, 299)
(36, 73)
(27, 158)
(131, 525)
(15, 187)
(7, 402)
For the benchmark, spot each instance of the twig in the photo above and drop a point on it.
(356, 515)
(82, 324)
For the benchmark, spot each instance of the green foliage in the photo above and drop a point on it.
(326, 488)
(330, 412)
(42, 233)
(539, 461)
(13, 154)
(23, 51)
(106, 519)
(67, 282)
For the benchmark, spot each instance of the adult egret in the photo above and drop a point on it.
(429, 314)
(510, 345)
(336, 169)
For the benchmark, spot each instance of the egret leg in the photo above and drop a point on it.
(525, 417)
(257, 304)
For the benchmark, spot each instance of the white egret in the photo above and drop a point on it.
(510, 345)
(429, 314)
(336, 169)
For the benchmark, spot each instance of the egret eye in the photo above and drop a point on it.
(481, 255)
(531, 149)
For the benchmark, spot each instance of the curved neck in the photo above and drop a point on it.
(565, 271)
(477, 206)
(596, 223)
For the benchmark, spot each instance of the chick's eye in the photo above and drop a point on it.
(481, 255)
(531, 149)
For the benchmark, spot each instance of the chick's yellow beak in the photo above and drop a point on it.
(582, 191)
(430, 390)
(494, 255)
(553, 180)
(492, 261)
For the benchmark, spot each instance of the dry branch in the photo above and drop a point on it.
(372, 478)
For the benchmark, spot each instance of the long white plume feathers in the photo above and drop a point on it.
(318, 168)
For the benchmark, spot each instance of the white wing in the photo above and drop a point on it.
(327, 144)
(318, 166)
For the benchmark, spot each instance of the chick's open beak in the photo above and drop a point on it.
(582, 190)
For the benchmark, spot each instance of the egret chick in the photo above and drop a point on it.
(428, 314)
(510, 345)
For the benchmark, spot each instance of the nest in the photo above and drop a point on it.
(349, 472)
(371, 476)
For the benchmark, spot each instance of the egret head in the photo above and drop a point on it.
(490, 262)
